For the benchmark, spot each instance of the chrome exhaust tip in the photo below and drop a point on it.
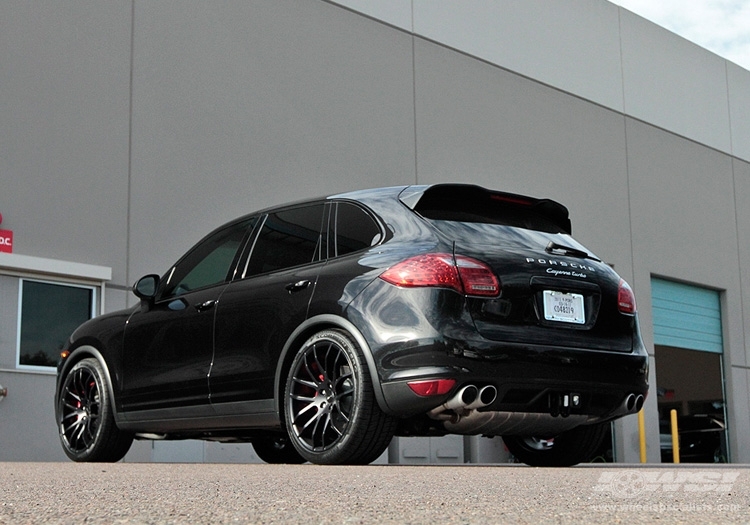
(486, 396)
(464, 397)
(629, 403)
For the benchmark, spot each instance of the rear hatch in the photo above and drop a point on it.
(554, 291)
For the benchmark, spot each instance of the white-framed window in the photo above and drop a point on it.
(48, 312)
(41, 302)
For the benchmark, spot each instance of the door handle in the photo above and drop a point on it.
(205, 306)
(298, 286)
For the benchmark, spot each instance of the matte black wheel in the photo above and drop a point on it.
(277, 449)
(568, 448)
(84, 416)
(330, 409)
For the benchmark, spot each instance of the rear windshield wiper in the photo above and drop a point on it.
(560, 249)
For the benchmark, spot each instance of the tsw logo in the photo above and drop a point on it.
(631, 483)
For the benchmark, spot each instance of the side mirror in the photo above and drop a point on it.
(146, 287)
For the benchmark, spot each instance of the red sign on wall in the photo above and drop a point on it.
(6, 241)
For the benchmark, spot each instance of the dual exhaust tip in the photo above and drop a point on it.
(467, 398)
(472, 397)
(633, 403)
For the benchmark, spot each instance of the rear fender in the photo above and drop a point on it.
(307, 329)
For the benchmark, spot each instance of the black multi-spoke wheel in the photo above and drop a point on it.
(84, 415)
(331, 413)
(276, 449)
(568, 448)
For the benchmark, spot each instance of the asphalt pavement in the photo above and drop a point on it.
(160, 493)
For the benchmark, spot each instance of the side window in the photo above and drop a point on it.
(355, 229)
(288, 238)
(209, 263)
(49, 314)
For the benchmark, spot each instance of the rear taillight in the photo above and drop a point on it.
(463, 274)
(477, 277)
(432, 269)
(626, 298)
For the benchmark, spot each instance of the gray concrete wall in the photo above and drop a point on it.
(131, 129)
(64, 148)
(594, 50)
(27, 418)
(240, 105)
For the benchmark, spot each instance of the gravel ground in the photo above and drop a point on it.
(159, 493)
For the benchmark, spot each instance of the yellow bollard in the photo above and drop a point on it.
(642, 434)
(675, 437)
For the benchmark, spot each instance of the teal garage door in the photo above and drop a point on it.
(686, 316)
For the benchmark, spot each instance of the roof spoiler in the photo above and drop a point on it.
(552, 210)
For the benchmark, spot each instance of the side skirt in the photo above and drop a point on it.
(203, 418)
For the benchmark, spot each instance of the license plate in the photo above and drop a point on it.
(564, 307)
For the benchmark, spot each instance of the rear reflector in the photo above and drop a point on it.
(463, 274)
(432, 387)
(626, 298)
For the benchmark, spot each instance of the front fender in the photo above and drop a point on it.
(80, 353)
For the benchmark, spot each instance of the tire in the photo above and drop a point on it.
(569, 448)
(277, 450)
(330, 410)
(85, 416)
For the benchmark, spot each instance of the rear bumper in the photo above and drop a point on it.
(528, 379)
(428, 334)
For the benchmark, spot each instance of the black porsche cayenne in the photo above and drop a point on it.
(319, 330)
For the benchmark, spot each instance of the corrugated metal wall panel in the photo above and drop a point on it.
(686, 316)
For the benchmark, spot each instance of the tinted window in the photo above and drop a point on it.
(209, 263)
(288, 238)
(355, 229)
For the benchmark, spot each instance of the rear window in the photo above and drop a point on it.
(355, 230)
(475, 205)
